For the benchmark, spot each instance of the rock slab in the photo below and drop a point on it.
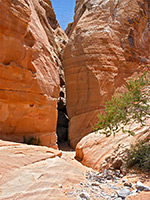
(33, 172)
(99, 152)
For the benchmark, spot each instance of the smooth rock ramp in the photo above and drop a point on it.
(34, 172)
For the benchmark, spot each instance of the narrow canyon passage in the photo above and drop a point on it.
(63, 120)
(54, 83)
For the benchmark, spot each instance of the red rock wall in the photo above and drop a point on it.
(109, 40)
(30, 45)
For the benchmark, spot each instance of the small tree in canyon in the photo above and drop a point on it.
(123, 110)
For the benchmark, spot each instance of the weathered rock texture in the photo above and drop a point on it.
(31, 42)
(99, 152)
(108, 41)
(31, 172)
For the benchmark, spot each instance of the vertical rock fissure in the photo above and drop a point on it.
(63, 120)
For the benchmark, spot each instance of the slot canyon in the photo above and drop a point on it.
(53, 85)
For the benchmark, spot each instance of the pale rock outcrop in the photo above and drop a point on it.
(109, 40)
(31, 42)
(99, 152)
(33, 172)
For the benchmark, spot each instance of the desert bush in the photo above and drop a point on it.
(139, 156)
(31, 140)
(125, 109)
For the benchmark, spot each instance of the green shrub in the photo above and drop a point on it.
(31, 140)
(139, 156)
(125, 109)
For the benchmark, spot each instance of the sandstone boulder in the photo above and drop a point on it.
(31, 42)
(99, 152)
(109, 40)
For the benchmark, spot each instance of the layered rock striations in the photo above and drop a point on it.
(99, 152)
(31, 42)
(109, 40)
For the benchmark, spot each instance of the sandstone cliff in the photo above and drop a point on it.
(109, 40)
(31, 42)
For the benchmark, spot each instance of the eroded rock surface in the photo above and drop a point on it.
(31, 42)
(33, 172)
(109, 40)
(99, 152)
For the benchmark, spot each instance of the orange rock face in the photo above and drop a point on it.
(108, 41)
(95, 150)
(30, 45)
